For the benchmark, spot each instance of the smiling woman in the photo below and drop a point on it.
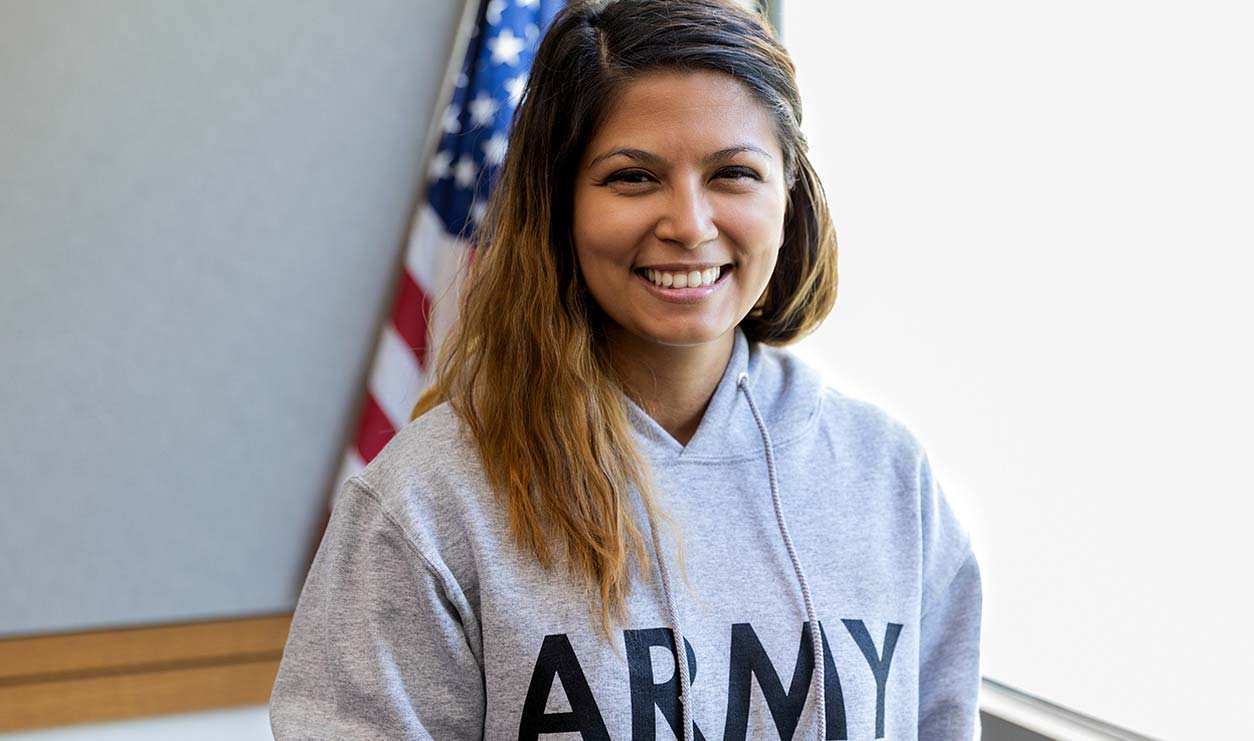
(613, 401)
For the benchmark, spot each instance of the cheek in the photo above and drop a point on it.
(758, 228)
(603, 230)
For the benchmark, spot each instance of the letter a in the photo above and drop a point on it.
(557, 658)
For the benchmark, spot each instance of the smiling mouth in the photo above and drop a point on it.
(684, 279)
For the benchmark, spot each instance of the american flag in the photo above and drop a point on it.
(474, 128)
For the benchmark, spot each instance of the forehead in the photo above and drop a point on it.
(678, 113)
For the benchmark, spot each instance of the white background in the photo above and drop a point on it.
(1043, 212)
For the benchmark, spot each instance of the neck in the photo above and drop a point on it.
(673, 384)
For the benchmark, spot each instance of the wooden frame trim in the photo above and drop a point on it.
(93, 676)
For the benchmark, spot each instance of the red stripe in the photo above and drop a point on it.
(410, 316)
(375, 430)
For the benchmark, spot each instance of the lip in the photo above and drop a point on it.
(684, 295)
(686, 267)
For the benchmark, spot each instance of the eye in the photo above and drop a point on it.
(630, 177)
(738, 173)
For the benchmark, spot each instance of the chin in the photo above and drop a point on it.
(686, 336)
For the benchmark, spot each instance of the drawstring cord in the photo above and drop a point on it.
(816, 639)
(681, 653)
(816, 635)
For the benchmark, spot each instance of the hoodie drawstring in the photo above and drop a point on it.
(681, 653)
(816, 634)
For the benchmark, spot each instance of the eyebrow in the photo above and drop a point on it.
(641, 155)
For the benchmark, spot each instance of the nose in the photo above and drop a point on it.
(688, 219)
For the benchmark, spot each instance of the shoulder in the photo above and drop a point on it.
(882, 454)
(430, 449)
(867, 424)
(855, 432)
(860, 423)
(429, 480)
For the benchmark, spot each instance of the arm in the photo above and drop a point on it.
(949, 661)
(949, 647)
(376, 648)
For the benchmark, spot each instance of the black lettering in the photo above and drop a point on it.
(748, 660)
(879, 664)
(557, 658)
(646, 693)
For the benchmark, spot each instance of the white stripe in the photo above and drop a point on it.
(396, 379)
(351, 466)
(437, 261)
(433, 256)
(443, 314)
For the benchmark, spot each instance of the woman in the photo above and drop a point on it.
(608, 408)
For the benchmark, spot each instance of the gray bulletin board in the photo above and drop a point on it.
(202, 211)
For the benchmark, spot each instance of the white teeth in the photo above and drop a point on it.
(691, 279)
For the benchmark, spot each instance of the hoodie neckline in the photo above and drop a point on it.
(786, 391)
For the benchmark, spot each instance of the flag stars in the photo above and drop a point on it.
(440, 165)
(515, 87)
(494, 10)
(494, 149)
(490, 86)
(506, 47)
(452, 123)
(465, 172)
(483, 109)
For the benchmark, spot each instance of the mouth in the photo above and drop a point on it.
(679, 279)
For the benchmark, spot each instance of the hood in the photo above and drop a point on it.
(787, 393)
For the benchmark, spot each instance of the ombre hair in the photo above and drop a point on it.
(525, 366)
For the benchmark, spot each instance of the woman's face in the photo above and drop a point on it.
(679, 207)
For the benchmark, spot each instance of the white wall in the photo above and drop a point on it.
(1044, 220)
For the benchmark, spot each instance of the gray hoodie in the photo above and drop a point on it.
(420, 619)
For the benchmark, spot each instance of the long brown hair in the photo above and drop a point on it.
(525, 366)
